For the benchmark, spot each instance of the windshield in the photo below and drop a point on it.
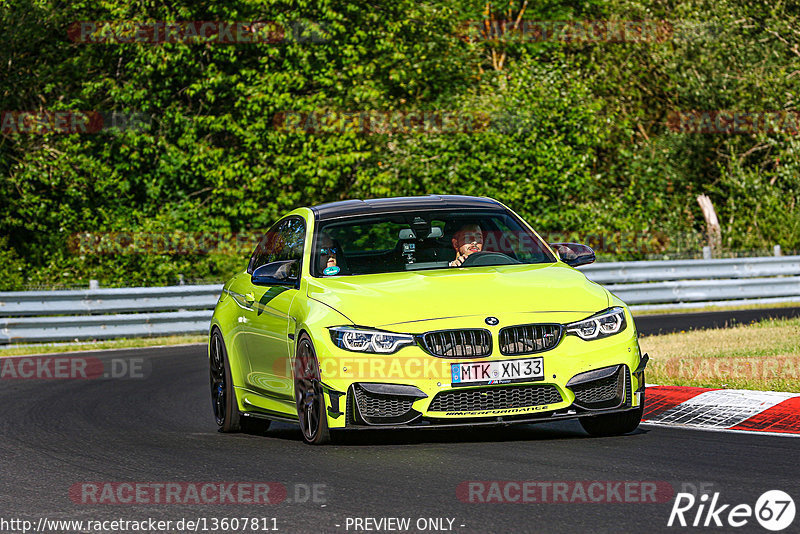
(413, 241)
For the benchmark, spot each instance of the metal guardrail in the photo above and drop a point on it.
(36, 316)
(675, 284)
(658, 271)
(110, 300)
(83, 327)
(705, 290)
(108, 313)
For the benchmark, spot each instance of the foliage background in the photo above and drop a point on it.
(579, 142)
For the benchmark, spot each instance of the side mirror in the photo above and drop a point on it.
(277, 273)
(574, 254)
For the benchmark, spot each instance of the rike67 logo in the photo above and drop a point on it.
(774, 510)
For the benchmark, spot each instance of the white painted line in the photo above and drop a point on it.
(712, 429)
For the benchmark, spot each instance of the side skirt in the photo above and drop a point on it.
(271, 416)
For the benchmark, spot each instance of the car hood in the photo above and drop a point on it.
(382, 300)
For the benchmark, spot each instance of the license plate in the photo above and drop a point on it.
(499, 372)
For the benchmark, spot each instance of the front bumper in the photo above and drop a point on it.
(376, 405)
(413, 388)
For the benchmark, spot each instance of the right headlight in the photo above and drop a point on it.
(604, 324)
(365, 340)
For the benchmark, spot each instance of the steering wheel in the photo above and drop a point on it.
(488, 258)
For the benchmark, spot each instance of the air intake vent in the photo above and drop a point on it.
(371, 405)
(495, 398)
(382, 404)
(473, 343)
(606, 392)
(529, 338)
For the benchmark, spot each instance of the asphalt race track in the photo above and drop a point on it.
(675, 322)
(59, 433)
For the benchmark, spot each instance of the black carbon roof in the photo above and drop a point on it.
(347, 208)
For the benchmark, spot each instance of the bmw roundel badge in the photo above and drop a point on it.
(492, 321)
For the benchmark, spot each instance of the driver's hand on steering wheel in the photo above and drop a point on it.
(459, 260)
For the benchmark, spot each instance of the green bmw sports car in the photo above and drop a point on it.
(435, 311)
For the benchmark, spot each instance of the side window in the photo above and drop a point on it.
(284, 241)
(263, 250)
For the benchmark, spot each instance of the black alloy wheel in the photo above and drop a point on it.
(309, 396)
(223, 396)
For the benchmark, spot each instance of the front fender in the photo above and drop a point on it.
(226, 319)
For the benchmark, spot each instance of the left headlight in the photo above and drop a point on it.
(604, 324)
(362, 340)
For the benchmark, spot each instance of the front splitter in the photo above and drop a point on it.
(500, 421)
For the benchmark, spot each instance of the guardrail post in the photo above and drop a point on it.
(707, 253)
(776, 250)
(94, 284)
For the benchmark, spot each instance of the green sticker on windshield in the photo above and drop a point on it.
(330, 271)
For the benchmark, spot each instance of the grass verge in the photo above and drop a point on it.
(762, 356)
(125, 343)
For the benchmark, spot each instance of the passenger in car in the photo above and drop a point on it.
(467, 240)
(327, 252)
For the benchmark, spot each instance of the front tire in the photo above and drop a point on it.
(223, 394)
(308, 394)
(613, 424)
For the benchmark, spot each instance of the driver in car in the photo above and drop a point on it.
(467, 240)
